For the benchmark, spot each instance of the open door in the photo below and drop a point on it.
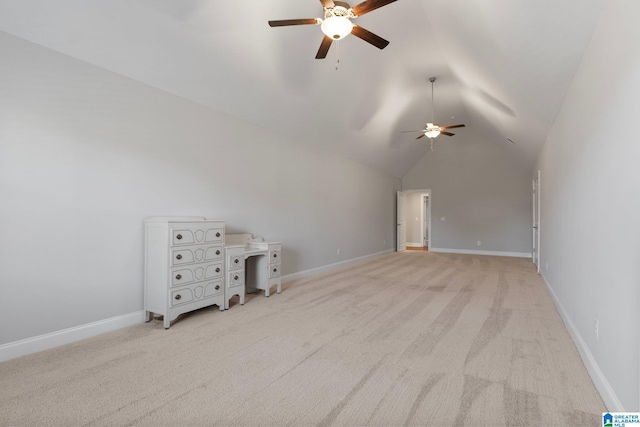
(402, 222)
(535, 253)
(426, 215)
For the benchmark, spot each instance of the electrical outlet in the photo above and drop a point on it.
(338, 252)
(546, 265)
(479, 242)
(384, 243)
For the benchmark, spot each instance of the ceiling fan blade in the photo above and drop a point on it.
(324, 47)
(369, 5)
(452, 127)
(327, 3)
(421, 136)
(287, 22)
(369, 37)
(447, 133)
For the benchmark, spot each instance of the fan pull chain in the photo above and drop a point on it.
(337, 54)
(432, 145)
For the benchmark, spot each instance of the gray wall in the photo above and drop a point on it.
(86, 155)
(590, 219)
(480, 190)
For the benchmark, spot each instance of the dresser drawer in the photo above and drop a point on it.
(193, 234)
(274, 270)
(195, 273)
(235, 278)
(193, 254)
(274, 256)
(235, 262)
(196, 292)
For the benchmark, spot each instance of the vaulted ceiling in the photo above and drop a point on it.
(503, 67)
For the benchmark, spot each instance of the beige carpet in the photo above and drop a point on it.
(414, 338)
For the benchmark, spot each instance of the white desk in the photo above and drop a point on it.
(253, 264)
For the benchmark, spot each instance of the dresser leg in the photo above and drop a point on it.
(166, 322)
(279, 287)
(147, 316)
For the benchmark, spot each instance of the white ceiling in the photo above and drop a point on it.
(503, 67)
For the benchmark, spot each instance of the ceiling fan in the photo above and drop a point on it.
(433, 130)
(337, 23)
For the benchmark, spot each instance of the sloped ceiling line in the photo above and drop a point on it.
(503, 66)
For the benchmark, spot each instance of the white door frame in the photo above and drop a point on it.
(539, 201)
(426, 215)
(401, 221)
(535, 254)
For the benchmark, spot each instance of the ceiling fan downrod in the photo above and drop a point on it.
(433, 103)
(433, 130)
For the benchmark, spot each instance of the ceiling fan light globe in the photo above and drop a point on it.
(432, 133)
(337, 27)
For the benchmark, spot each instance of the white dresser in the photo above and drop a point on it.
(183, 266)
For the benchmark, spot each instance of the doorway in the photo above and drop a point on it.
(414, 220)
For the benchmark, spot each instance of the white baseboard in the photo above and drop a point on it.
(54, 339)
(607, 393)
(415, 244)
(472, 252)
(329, 267)
(16, 349)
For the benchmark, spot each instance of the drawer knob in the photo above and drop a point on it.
(217, 234)
(275, 255)
(218, 270)
(275, 270)
(217, 287)
(236, 260)
(178, 296)
(178, 256)
(235, 277)
(217, 252)
(178, 276)
(179, 237)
